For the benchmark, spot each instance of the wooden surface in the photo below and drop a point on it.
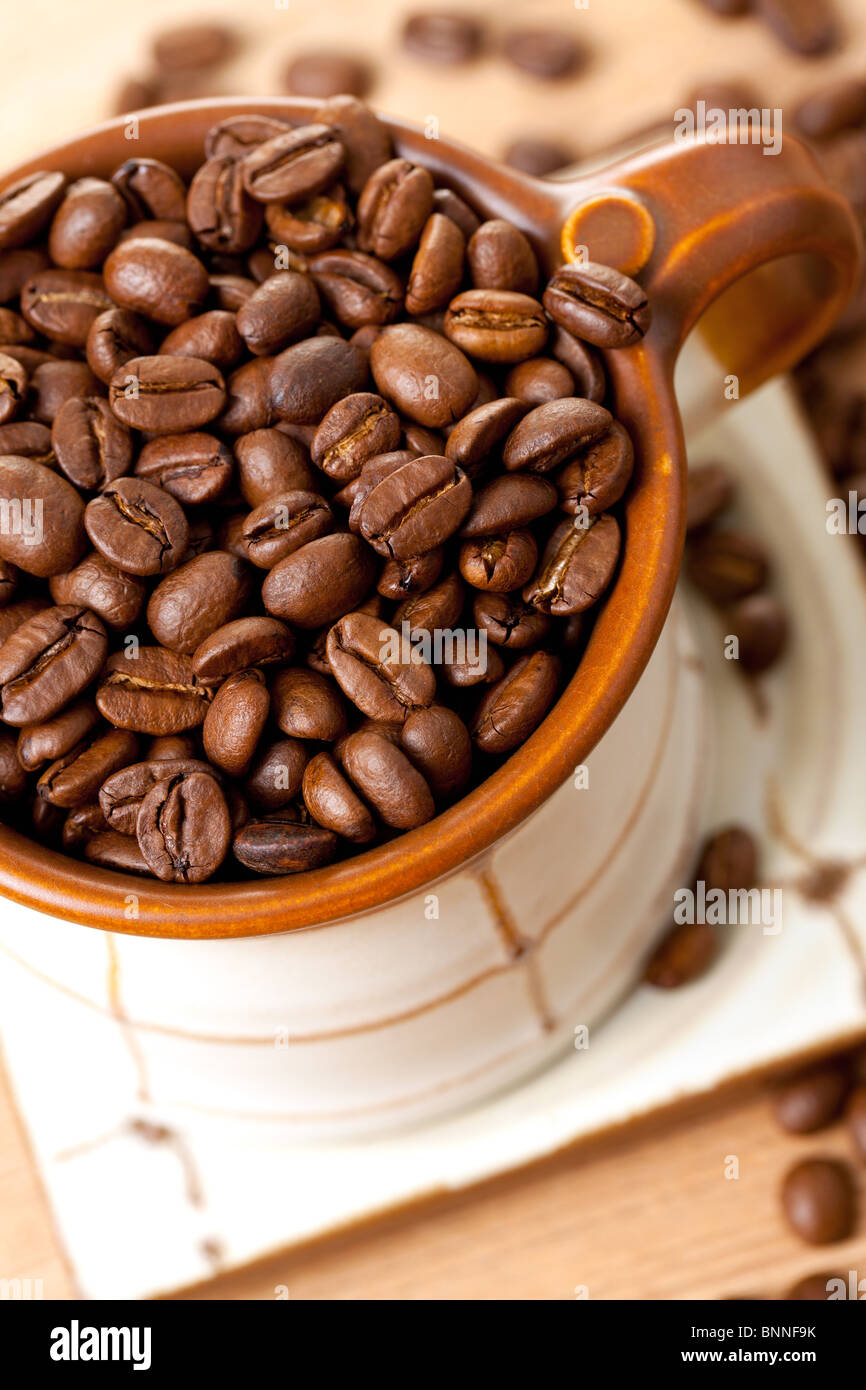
(648, 1214)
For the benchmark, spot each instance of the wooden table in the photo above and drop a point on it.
(648, 1213)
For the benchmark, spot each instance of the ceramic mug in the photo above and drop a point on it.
(463, 954)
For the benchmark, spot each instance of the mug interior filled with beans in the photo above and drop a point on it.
(308, 490)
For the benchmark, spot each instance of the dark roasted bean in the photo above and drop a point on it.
(47, 661)
(242, 643)
(283, 309)
(27, 205)
(514, 707)
(43, 533)
(309, 377)
(576, 567)
(114, 338)
(137, 527)
(437, 269)
(423, 374)
(167, 395)
(151, 189)
(284, 843)
(357, 289)
(213, 336)
(155, 693)
(400, 578)
(86, 225)
(184, 829)
(283, 524)
(290, 167)
(370, 665)
(539, 380)
(819, 1201)
(219, 209)
(387, 779)
(53, 738)
(332, 802)
(197, 598)
(155, 278)
(235, 720)
(269, 462)
(507, 502)
(395, 203)
(91, 445)
(314, 225)
(509, 622)
(78, 775)
(501, 258)
(63, 304)
(552, 433)
(114, 596)
(416, 508)
(275, 777)
(599, 304)
(499, 563)
(354, 430)
(438, 743)
(308, 705)
(320, 582)
(122, 793)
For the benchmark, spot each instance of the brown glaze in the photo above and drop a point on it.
(694, 221)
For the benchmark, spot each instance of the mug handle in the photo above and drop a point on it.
(697, 221)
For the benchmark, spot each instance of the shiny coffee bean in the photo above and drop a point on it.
(47, 661)
(355, 429)
(811, 1101)
(315, 225)
(552, 433)
(387, 780)
(598, 304)
(167, 395)
(438, 744)
(682, 956)
(275, 777)
(197, 598)
(357, 289)
(400, 578)
(450, 204)
(194, 468)
(242, 643)
(501, 258)
(332, 802)
(283, 309)
(77, 776)
(157, 279)
(499, 563)
(509, 622)
(819, 1201)
(269, 462)
(235, 720)
(538, 380)
(438, 607)
(45, 531)
(393, 207)
(27, 205)
(62, 304)
(184, 829)
(383, 676)
(86, 225)
(576, 567)
(248, 398)
(365, 140)
(121, 794)
(212, 336)
(237, 135)
(29, 440)
(416, 508)
(154, 693)
(582, 361)
(114, 596)
(320, 582)
(91, 445)
(284, 843)
(114, 338)
(53, 738)
(112, 851)
(307, 705)
(283, 524)
(220, 211)
(293, 166)
(496, 325)
(137, 527)
(308, 378)
(727, 565)
(407, 360)
(514, 707)
(508, 502)
(598, 475)
(437, 269)
(481, 432)
(151, 189)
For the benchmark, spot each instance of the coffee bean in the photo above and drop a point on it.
(9, 577)
(537, 155)
(167, 395)
(137, 527)
(545, 53)
(172, 746)
(220, 211)
(248, 398)
(437, 269)
(308, 705)
(269, 462)
(91, 445)
(236, 135)
(44, 534)
(53, 738)
(440, 37)
(407, 360)
(184, 830)
(320, 582)
(370, 665)
(539, 380)
(78, 775)
(818, 1200)
(13, 387)
(197, 598)
(229, 292)
(479, 432)
(332, 802)
(856, 1119)
(86, 225)
(598, 475)
(727, 565)
(13, 777)
(514, 707)
(275, 777)
(805, 26)
(325, 73)
(583, 363)
(62, 304)
(47, 661)
(312, 226)
(760, 625)
(29, 440)
(293, 166)
(156, 693)
(501, 258)
(598, 304)
(113, 851)
(682, 956)
(400, 578)
(155, 278)
(450, 204)
(309, 377)
(16, 268)
(812, 1100)
(355, 429)
(27, 205)
(12, 617)
(358, 289)
(283, 524)
(438, 743)
(121, 794)
(114, 596)
(235, 720)
(355, 493)
(195, 468)
(416, 508)
(509, 622)
(577, 566)
(509, 502)
(385, 777)
(365, 139)
(242, 643)
(395, 203)
(710, 491)
(151, 189)
(282, 310)
(114, 338)
(177, 232)
(194, 45)
(496, 325)
(284, 843)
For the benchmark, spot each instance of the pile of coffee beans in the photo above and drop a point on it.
(306, 486)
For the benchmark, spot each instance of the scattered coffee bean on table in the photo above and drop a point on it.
(306, 483)
(809, 1102)
(819, 1201)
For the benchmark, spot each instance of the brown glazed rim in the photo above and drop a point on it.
(702, 218)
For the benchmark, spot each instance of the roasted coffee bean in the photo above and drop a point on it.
(576, 567)
(812, 1100)
(508, 502)
(195, 468)
(47, 661)
(358, 289)
(406, 358)
(419, 441)
(760, 625)
(365, 139)
(841, 105)
(15, 331)
(480, 432)
(805, 26)
(332, 802)
(14, 614)
(86, 225)
(62, 304)
(172, 746)
(395, 203)
(438, 607)
(29, 440)
(545, 53)
(248, 398)
(819, 1201)
(152, 189)
(156, 693)
(314, 225)
(212, 336)
(195, 45)
(400, 578)
(355, 493)
(682, 955)
(387, 779)
(309, 377)
(537, 155)
(283, 524)
(710, 491)
(113, 851)
(54, 738)
(416, 508)
(583, 363)
(501, 258)
(450, 204)
(220, 211)
(27, 205)
(354, 430)
(437, 269)
(229, 292)
(114, 596)
(380, 673)
(496, 325)
(13, 387)
(284, 843)
(514, 707)
(81, 824)
(438, 743)
(479, 665)
(155, 278)
(729, 860)
(91, 445)
(184, 829)
(167, 395)
(237, 135)
(539, 380)
(598, 475)
(178, 232)
(283, 309)
(114, 338)
(439, 37)
(276, 774)
(16, 267)
(137, 527)
(598, 304)
(122, 793)
(727, 565)
(44, 533)
(268, 462)
(326, 73)
(308, 705)
(293, 166)
(197, 598)
(235, 720)
(509, 622)
(320, 582)
(78, 775)
(499, 563)
(242, 643)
